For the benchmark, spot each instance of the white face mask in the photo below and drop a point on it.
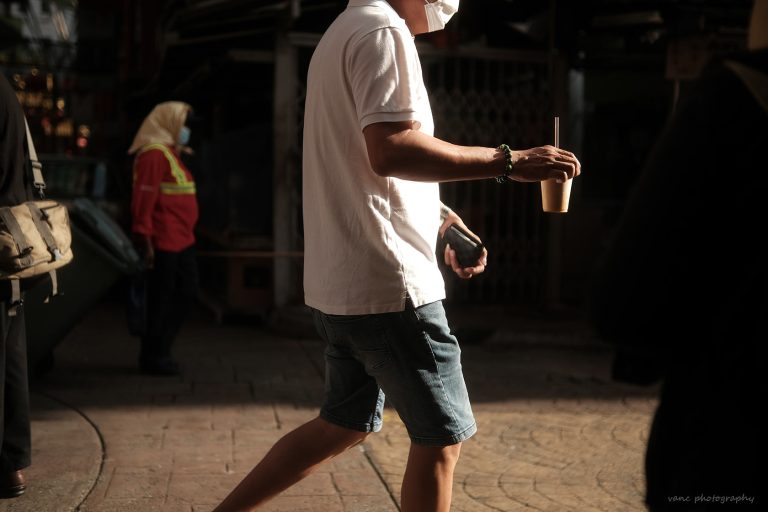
(439, 12)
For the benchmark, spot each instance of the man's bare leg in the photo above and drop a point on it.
(293, 457)
(428, 481)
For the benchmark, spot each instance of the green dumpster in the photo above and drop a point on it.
(103, 254)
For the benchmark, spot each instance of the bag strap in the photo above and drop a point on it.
(37, 168)
(25, 250)
(756, 81)
(54, 286)
(16, 300)
(39, 218)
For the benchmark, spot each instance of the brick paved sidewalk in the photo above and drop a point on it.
(554, 433)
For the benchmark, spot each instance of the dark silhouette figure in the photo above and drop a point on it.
(15, 440)
(682, 293)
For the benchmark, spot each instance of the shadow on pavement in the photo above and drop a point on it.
(236, 363)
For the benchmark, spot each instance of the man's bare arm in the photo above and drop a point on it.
(398, 150)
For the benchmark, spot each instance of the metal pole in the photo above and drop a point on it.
(285, 222)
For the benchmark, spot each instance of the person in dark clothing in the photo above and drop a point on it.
(15, 441)
(164, 212)
(683, 289)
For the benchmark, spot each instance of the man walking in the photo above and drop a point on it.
(372, 215)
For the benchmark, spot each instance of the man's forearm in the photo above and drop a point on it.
(400, 151)
(412, 155)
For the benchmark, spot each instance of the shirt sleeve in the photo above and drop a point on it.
(385, 75)
(148, 173)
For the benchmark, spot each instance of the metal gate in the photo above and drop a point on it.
(485, 98)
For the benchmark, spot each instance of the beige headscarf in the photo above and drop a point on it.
(162, 125)
(757, 37)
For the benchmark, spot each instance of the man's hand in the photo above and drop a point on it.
(450, 255)
(544, 163)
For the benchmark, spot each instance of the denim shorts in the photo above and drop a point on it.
(412, 357)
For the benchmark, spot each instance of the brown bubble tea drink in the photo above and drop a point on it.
(554, 195)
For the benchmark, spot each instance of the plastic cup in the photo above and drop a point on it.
(555, 196)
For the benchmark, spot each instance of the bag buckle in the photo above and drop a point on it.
(40, 186)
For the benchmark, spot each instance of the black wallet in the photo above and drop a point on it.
(468, 248)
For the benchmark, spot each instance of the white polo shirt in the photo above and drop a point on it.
(368, 240)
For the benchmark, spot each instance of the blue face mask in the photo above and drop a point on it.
(184, 135)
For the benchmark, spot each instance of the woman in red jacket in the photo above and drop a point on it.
(164, 213)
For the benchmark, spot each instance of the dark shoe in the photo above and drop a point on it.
(12, 484)
(161, 367)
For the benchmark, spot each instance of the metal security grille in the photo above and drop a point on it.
(484, 99)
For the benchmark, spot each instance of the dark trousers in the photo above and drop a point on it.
(171, 289)
(14, 392)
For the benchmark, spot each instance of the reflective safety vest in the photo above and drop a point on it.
(182, 185)
(163, 202)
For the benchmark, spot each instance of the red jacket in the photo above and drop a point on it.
(164, 204)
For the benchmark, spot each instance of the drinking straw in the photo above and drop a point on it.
(557, 131)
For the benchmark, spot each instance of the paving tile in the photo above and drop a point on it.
(251, 415)
(197, 438)
(190, 422)
(185, 463)
(117, 441)
(138, 505)
(207, 489)
(304, 504)
(368, 504)
(165, 386)
(359, 483)
(140, 482)
(131, 457)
